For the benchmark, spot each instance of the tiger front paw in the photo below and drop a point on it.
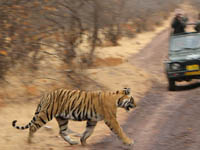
(129, 141)
(83, 142)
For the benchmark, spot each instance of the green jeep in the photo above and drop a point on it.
(183, 62)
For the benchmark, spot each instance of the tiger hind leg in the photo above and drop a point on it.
(37, 122)
(115, 128)
(89, 130)
(63, 125)
(32, 130)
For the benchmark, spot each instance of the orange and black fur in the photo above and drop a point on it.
(78, 105)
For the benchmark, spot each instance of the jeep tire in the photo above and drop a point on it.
(172, 85)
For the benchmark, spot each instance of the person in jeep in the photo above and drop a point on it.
(179, 23)
(197, 25)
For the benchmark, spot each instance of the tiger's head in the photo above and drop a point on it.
(125, 100)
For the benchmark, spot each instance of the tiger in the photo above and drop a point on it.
(79, 105)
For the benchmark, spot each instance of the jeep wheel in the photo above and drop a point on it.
(172, 86)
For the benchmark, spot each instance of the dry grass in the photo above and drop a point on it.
(109, 61)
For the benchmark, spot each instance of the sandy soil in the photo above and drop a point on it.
(124, 74)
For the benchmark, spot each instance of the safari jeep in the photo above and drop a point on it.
(183, 62)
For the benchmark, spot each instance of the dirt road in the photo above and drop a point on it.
(163, 120)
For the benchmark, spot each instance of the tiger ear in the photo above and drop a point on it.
(127, 91)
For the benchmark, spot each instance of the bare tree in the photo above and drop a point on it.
(27, 25)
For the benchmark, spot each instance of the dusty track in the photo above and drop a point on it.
(163, 120)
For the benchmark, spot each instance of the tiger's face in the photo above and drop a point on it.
(126, 101)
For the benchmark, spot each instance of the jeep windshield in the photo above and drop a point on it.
(185, 42)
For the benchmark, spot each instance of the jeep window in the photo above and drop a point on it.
(179, 43)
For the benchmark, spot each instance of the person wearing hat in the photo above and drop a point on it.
(179, 23)
(197, 24)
